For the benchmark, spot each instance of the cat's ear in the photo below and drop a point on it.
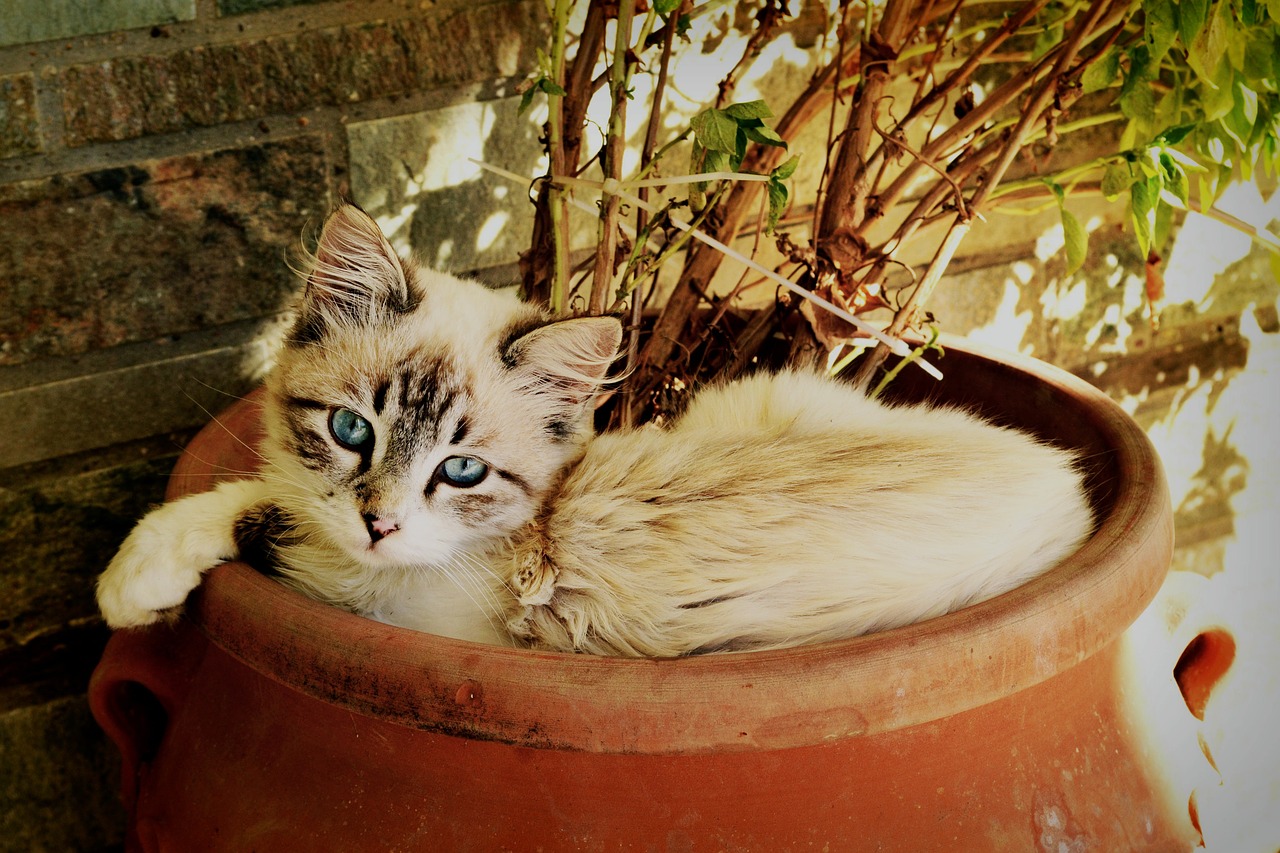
(355, 277)
(568, 359)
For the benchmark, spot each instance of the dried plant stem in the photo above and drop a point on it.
(949, 141)
(547, 258)
(611, 161)
(924, 212)
(578, 85)
(849, 188)
(648, 161)
(904, 316)
(702, 262)
(1042, 99)
(973, 61)
(558, 213)
(1034, 112)
(766, 28)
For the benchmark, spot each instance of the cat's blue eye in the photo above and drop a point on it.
(463, 471)
(351, 430)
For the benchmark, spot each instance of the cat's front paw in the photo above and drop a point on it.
(163, 559)
(150, 574)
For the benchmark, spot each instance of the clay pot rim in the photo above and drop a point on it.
(745, 701)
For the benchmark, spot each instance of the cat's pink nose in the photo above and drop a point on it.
(379, 527)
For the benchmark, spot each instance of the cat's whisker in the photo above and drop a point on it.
(482, 567)
(217, 421)
(471, 585)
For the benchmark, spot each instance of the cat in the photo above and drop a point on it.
(430, 462)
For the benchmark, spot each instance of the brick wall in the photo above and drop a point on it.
(158, 158)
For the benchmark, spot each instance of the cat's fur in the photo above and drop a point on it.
(778, 510)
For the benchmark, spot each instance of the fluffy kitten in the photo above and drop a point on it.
(429, 462)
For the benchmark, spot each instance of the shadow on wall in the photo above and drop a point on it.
(1203, 386)
(412, 173)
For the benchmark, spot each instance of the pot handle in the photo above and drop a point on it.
(140, 683)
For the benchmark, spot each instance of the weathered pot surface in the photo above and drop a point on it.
(264, 721)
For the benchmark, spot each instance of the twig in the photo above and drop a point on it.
(1040, 100)
(647, 161)
(701, 262)
(861, 325)
(767, 23)
(846, 201)
(611, 162)
(942, 173)
(558, 215)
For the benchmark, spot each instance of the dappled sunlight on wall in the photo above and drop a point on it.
(414, 172)
(415, 176)
(1204, 385)
(1215, 432)
(1239, 725)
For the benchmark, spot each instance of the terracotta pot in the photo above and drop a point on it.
(264, 721)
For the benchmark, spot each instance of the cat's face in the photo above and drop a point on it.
(414, 417)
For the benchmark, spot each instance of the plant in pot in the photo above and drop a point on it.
(1000, 725)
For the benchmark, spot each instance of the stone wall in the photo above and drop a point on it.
(160, 158)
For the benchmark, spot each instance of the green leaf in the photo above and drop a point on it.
(1239, 120)
(763, 135)
(1142, 214)
(1235, 41)
(1175, 180)
(1149, 162)
(1048, 39)
(1103, 73)
(1216, 150)
(1160, 229)
(1139, 104)
(1191, 17)
(1129, 136)
(1216, 98)
(1075, 237)
(1170, 108)
(778, 192)
(1188, 164)
(778, 195)
(1140, 67)
(666, 7)
(715, 131)
(1260, 51)
(1117, 178)
(1137, 99)
(1175, 135)
(543, 84)
(786, 170)
(1209, 47)
(1247, 102)
(1161, 27)
(544, 62)
(1077, 240)
(525, 100)
(716, 161)
(739, 149)
(748, 111)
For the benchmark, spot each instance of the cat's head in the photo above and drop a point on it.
(413, 416)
